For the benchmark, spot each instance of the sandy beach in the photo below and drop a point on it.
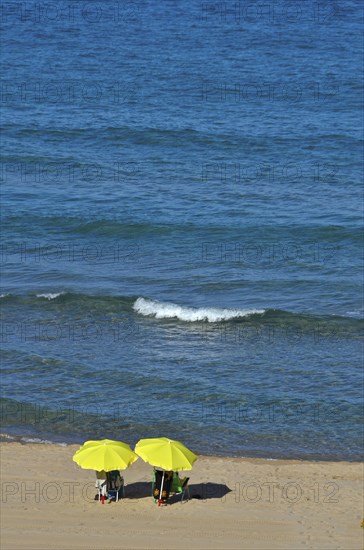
(48, 503)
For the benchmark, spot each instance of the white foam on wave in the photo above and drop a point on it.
(356, 314)
(168, 310)
(38, 440)
(30, 440)
(50, 295)
(7, 436)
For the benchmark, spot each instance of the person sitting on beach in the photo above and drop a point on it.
(101, 484)
(115, 483)
(162, 485)
(179, 485)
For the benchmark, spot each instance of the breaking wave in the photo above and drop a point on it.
(169, 310)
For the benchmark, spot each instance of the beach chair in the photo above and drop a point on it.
(161, 486)
(180, 486)
(115, 485)
(101, 485)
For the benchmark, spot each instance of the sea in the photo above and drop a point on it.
(181, 246)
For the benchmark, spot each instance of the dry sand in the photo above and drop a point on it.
(47, 503)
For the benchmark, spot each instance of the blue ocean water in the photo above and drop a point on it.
(182, 224)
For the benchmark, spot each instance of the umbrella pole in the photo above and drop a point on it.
(161, 490)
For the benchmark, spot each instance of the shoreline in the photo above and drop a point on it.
(27, 440)
(246, 503)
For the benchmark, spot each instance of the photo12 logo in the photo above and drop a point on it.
(249, 12)
(69, 92)
(66, 12)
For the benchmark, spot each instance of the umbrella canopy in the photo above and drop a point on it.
(165, 453)
(104, 455)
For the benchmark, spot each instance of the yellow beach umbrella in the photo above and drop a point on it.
(105, 454)
(165, 453)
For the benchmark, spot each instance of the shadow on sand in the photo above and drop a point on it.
(200, 491)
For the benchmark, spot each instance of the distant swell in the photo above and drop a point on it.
(168, 310)
(122, 304)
